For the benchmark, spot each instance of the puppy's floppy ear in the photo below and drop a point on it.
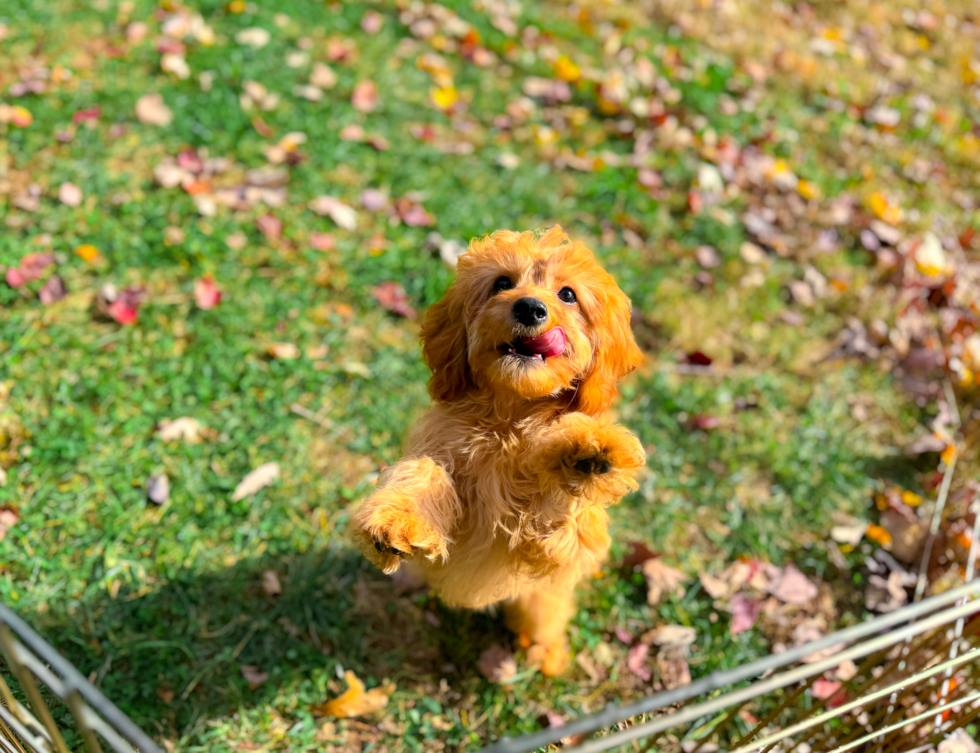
(615, 353)
(444, 346)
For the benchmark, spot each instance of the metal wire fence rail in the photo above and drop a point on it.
(65, 712)
(915, 682)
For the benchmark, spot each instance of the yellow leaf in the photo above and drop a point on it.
(236, 6)
(21, 117)
(878, 535)
(355, 701)
(566, 69)
(87, 252)
(930, 258)
(911, 498)
(808, 190)
(885, 210)
(444, 97)
(948, 454)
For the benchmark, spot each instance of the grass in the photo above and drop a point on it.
(163, 605)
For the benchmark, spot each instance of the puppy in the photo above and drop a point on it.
(502, 494)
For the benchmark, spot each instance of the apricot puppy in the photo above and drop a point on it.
(502, 494)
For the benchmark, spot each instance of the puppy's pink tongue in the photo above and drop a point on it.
(550, 344)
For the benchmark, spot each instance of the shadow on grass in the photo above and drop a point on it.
(172, 659)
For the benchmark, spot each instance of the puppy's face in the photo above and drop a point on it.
(534, 317)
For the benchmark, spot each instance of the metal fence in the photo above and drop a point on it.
(915, 681)
(65, 712)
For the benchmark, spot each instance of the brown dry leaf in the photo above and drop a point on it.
(53, 291)
(151, 110)
(672, 636)
(673, 669)
(270, 583)
(662, 579)
(284, 351)
(355, 701)
(339, 212)
(716, 587)
(255, 678)
(185, 428)
(497, 664)
(260, 478)
(792, 587)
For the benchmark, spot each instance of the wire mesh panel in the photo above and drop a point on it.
(47, 706)
(912, 679)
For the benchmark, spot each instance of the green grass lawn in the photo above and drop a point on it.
(163, 604)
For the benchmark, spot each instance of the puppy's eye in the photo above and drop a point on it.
(567, 295)
(502, 283)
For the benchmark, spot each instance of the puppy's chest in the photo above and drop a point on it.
(491, 472)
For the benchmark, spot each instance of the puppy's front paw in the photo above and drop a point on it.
(389, 534)
(552, 659)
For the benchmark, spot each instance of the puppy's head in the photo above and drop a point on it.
(532, 316)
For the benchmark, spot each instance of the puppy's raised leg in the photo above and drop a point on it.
(412, 511)
(578, 454)
(540, 617)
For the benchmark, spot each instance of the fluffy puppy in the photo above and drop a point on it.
(502, 494)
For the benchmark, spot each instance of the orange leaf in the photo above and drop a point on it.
(878, 535)
(355, 701)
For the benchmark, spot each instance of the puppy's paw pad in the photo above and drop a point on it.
(597, 465)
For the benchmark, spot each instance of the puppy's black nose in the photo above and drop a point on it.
(530, 312)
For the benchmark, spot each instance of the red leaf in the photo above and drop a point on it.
(392, 296)
(322, 241)
(636, 661)
(745, 611)
(53, 291)
(706, 423)
(270, 226)
(32, 266)
(190, 161)
(623, 635)
(15, 278)
(418, 217)
(206, 293)
(89, 114)
(125, 308)
(823, 689)
(697, 358)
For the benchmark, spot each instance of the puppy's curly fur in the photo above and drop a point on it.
(502, 494)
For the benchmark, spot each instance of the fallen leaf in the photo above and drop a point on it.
(70, 194)
(124, 307)
(255, 36)
(848, 534)
(270, 583)
(254, 677)
(715, 587)
(636, 659)
(270, 226)
(323, 76)
(392, 296)
(151, 110)
(206, 293)
(53, 290)
(158, 488)
(792, 587)
(958, 741)
(3, 477)
(673, 669)
(373, 200)
(823, 689)
(672, 636)
(638, 554)
(184, 428)
(662, 580)
(355, 701)
(365, 96)
(497, 664)
(343, 215)
(322, 241)
(372, 22)
(258, 479)
(8, 518)
(846, 671)
(745, 611)
(284, 351)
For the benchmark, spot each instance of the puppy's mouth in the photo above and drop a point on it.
(540, 348)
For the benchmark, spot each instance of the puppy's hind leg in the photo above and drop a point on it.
(541, 617)
(413, 511)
